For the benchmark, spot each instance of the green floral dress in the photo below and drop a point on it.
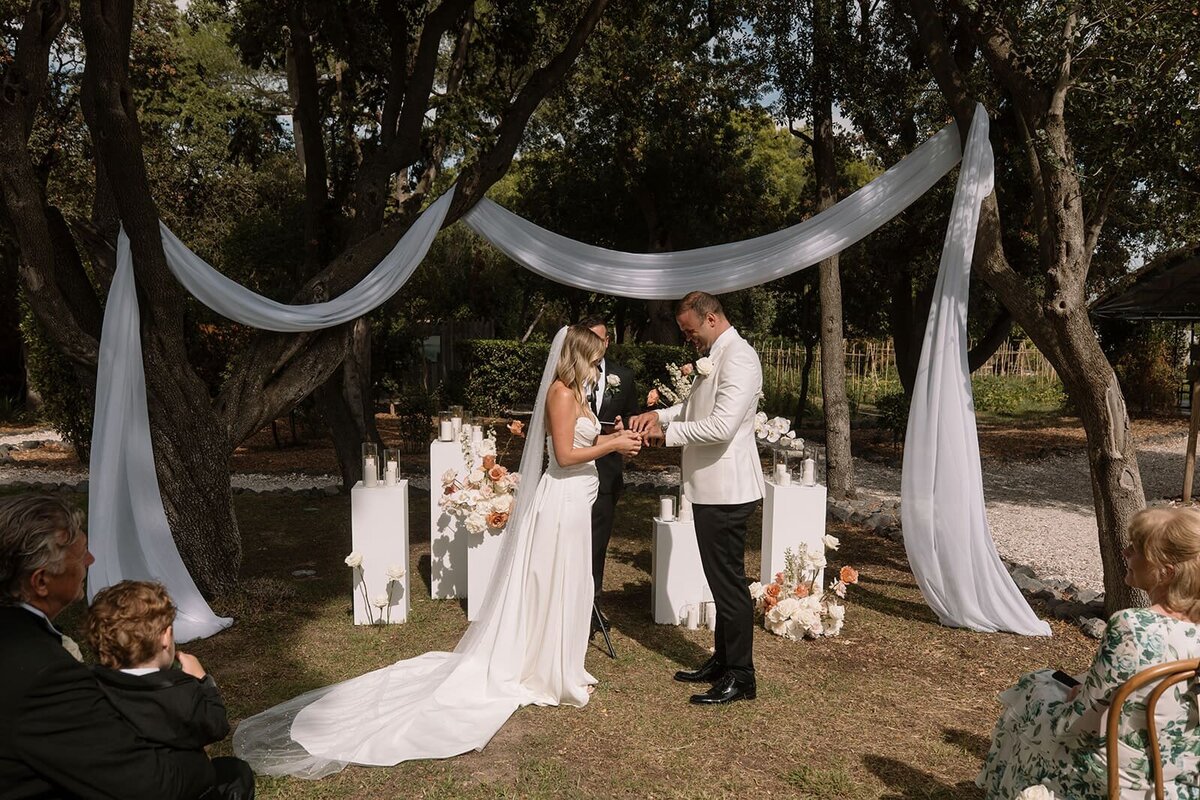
(1044, 738)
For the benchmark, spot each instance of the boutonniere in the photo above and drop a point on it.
(69, 645)
(613, 384)
(704, 366)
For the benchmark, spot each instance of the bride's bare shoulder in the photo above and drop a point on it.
(558, 390)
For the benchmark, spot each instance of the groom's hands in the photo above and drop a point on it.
(648, 426)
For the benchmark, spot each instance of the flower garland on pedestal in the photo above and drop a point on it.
(483, 498)
(794, 605)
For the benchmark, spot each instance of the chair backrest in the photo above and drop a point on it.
(1167, 675)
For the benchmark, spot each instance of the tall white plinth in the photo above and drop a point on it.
(675, 572)
(482, 551)
(792, 515)
(379, 533)
(447, 537)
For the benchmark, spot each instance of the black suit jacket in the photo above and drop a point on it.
(61, 738)
(620, 402)
(168, 707)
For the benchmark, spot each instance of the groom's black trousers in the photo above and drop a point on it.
(721, 534)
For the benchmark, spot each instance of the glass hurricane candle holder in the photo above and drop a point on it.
(781, 473)
(370, 464)
(391, 466)
(445, 427)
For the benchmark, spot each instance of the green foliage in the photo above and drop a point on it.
(1150, 367)
(1012, 395)
(501, 374)
(893, 413)
(66, 404)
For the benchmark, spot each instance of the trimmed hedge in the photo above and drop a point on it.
(503, 374)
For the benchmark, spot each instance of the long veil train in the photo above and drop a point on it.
(436, 705)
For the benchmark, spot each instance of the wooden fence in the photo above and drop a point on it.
(871, 367)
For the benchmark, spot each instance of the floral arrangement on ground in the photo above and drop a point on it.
(794, 605)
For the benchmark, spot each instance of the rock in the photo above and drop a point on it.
(839, 512)
(1086, 596)
(1093, 627)
(304, 573)
(30, 444)
(1022, 569)
(1097, 608)
(81, 487)
(330, 491)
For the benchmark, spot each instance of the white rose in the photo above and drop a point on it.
(783, 610)
(757, 591)
(354, 559)
(449, 477)
(1038, 792)
(395, 572)
(487, 491)
(613, 381)
(486, 448)
(476, 523)
(814, 561)
(831, 542)
(381, 601)
(476, 476)
(832, 627)
(836, 612)
(502, 503)
(704, 366)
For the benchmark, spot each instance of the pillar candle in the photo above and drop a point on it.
(685, 509)
(390, 473)
(810, 472)
(370, 472)
(782, 476)
(693, 617)
(446, 431)
(710, 615)
(476, 434)
(455, 428)
(666, 508)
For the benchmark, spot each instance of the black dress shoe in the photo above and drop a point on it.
(726, 690)
(711, 672)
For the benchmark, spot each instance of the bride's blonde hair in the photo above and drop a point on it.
(581, 349)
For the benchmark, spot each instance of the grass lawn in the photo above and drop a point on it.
(897, 707)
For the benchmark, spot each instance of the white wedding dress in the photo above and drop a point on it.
(528, 647)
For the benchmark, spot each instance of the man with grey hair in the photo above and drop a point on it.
(59, 736)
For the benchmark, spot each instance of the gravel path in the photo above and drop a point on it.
(1040, 512)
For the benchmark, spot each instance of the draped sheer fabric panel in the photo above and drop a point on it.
(128, 531)
(946, 532)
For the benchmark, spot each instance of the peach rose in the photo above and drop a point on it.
(497, 519)
(685, 370)
(496, 472)
(489, 462)
(652, 398)
(848, 575)
(773, 591)
(769, 602)
(801, 590)
(516, 428)
(779, 578)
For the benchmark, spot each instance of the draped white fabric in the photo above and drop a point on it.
(128, 530)
(946, 532)
(724, 267)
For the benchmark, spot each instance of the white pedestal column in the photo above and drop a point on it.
(676, 575)
(447, 538)
(379, 533)
(792, 515)
(482, 551)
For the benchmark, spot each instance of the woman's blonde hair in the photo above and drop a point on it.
(1170, 537)
(581, 349)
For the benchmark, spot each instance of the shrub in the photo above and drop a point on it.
(504, 374)
(893, 413)
(66, 403)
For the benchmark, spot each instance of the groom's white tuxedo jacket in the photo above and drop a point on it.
(715, 427)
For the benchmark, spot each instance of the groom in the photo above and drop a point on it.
(722, 477)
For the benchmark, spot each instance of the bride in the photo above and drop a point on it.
(527, 647)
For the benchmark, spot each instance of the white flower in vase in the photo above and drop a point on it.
(354, 560)
(395, 572)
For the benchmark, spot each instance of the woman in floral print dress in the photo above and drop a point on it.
(1051, 735)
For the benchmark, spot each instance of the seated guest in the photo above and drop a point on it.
(59, 735)
(1053, 735)
(129, 627)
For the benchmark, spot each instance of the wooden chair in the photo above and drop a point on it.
(1167, 675)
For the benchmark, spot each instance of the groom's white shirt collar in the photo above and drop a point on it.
(42, 614)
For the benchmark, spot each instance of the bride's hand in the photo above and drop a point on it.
(627, 443)
(618, 424)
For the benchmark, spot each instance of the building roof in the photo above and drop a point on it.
(1167, 288)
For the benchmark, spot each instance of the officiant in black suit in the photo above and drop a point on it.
(59, 736)
(614, 395)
